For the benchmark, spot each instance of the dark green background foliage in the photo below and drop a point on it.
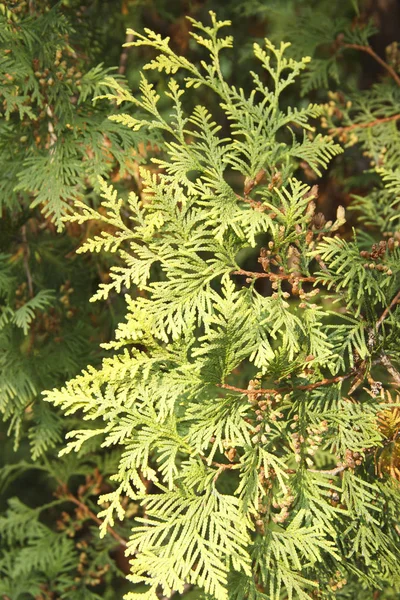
(209, 214)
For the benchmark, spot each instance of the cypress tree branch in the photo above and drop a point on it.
(189, 325)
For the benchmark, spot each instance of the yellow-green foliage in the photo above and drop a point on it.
(247, 417)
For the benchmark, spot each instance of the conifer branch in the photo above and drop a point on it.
(376, 57)
(188, 326)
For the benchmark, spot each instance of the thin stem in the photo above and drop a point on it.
(225, 467)
(221, 466)
(396, 300)
(256, 204)
(272, 276)
(95, 518)
(376, 57)
(338, 130)
(275, 391)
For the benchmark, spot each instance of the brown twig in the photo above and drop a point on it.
(273, 391)
(225, 467)
(396, 300)
(272, 276)
(95, 518)
(339, 130)
(392, 73)
(123, 59)
(253, 203)
(221, 466)
(376, 57)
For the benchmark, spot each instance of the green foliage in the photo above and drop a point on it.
(54, 141)
(263, 489)
(234, 431)
(37, 559)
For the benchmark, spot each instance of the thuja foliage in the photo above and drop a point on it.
(49, 550)
(252, 389)
(53, 145)
(54, 141)
(244, 431)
